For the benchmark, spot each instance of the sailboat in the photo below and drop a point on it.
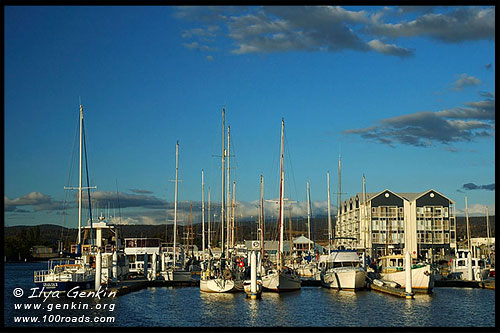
(173, 272)
(282, 278)
(217, 275)
(63, 274)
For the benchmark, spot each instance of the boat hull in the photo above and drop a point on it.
(422, 278)
(279, 282)
(350, 279)
(218, 285)
(64, 286)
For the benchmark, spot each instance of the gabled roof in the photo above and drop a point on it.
(302, 240)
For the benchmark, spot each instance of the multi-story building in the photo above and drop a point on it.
(389, 222)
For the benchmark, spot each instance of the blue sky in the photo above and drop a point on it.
(405, 95)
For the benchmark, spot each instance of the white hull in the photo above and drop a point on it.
(422, 278)
(344, 278)
(281, 282)
(479, 274)
(218, 285)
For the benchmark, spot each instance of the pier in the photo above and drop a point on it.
(128, 286)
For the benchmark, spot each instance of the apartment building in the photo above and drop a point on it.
(389, 222)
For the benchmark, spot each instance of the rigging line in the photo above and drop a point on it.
(70, 176)
(88, 185)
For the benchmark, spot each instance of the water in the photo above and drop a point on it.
(312, 306)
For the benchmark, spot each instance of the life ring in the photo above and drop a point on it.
(226, 274)
(241, 264)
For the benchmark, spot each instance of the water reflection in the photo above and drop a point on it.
(312, 306)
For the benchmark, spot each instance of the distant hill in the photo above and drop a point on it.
(19, 239)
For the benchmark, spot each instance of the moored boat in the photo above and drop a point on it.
(393, 269)
(343, 271)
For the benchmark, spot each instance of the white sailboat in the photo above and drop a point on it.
(173, 272)
(282, 278)
(64, 274)
(216, 274)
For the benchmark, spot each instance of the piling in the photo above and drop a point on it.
(469, 267)
(253, 275)
(114, 270)
(98, 267)
(153, 264)
(408, 290)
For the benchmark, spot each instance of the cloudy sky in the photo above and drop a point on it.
(405, 95)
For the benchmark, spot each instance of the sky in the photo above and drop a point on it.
(403, 95)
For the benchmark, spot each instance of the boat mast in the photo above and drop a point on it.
(223, 171)
(262, 215)
(232, 214)
(488, 232)
(281, 222)
(365, 215)
(175, 198)
(228, 200)
(339, 209)
(329, 214)
(309, 218)
(208, 215)
(80, 181)
(468, 229)
(202, 213)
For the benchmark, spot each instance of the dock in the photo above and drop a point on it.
(127, 286)
(456, 283)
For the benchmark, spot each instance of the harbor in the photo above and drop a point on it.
(168, 307)
(255, 167)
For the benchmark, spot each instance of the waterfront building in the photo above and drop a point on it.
(388, 222)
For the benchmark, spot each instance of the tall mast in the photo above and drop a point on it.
(175, 198)
(191, 232)
(468, 230)
(208, 215)
(222, 199)
(202, 213)
(488, 232)
(365, 215)
(309, 217)
(262, 215)
(329, 214)
(80, 180)
(339, 209)
(280, 253)
(232, 214)
(228, 195)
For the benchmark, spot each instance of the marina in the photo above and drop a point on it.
(168, 306)
(170, 166)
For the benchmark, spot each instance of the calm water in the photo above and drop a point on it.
(312, 306)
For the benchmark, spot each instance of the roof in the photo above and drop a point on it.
(302, 240)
